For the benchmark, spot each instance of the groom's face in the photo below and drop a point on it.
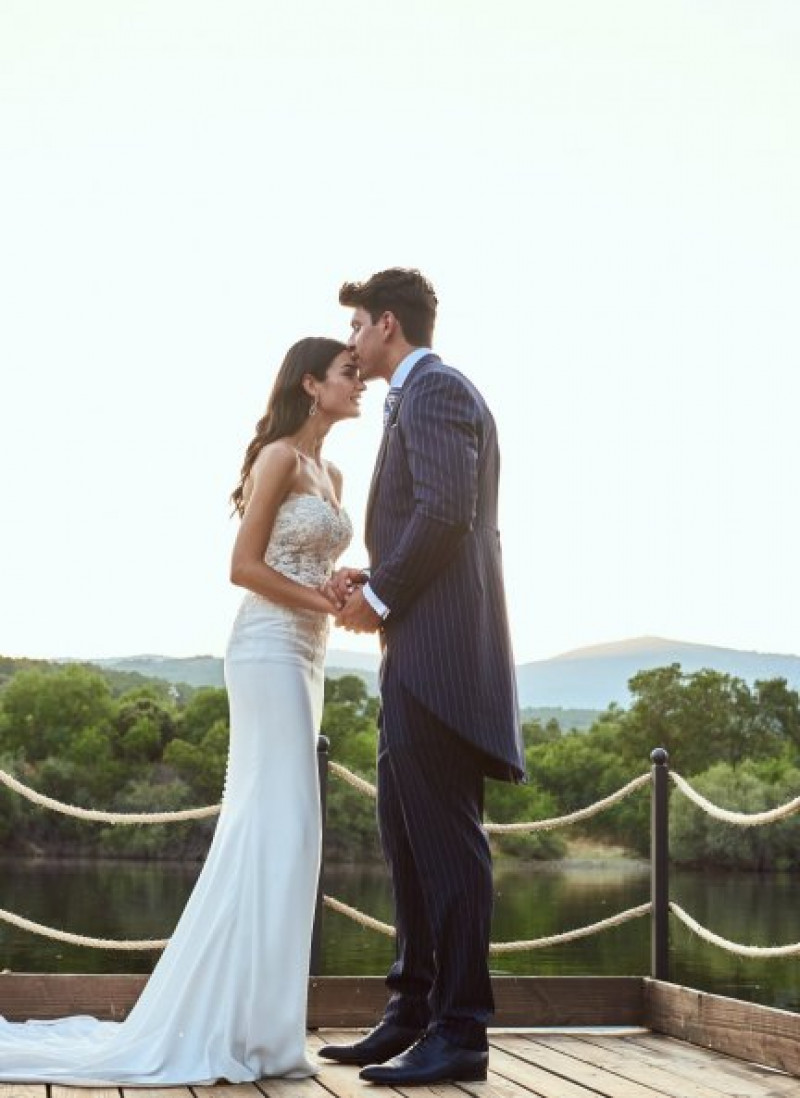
(367, 344)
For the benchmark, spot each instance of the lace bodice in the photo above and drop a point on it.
(307, 537)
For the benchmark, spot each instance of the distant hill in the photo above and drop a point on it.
(570, 687)
(207, 670)
(568, 719)
(193, 670)
(594, 677)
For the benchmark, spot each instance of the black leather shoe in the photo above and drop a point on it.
(431, 1060)
(385, 1041)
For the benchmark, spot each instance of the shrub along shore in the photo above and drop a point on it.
(122, 742)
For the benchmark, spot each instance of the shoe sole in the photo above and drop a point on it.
(467, 1075)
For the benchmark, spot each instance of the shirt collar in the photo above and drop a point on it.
(406, 365)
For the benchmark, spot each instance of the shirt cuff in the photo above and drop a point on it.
(380, 608)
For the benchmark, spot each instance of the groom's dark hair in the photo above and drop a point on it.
(402, 291)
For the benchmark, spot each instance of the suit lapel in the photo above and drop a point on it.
(384, 446)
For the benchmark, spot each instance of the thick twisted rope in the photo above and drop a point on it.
(571, 817)
(572, 935)
(732, 947)
(106, 817)
(389, 931)
(78, 939)
(335, 905)
(369, 790)
(361, 784)
(498, 947)
(741, 819)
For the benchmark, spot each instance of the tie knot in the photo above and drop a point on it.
(392, 398)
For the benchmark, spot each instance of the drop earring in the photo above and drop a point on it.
(312, 411)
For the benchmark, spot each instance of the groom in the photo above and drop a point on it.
(448, 699)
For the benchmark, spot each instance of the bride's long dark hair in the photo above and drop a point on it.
(289, 404)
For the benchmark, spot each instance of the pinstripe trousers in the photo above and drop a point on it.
(430, 809)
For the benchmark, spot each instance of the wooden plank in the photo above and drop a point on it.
(533, 1077)
(343, 1082)
(733, 1078)
(156, 1092)
(225, 1090)
(762, 1034)
(342, 1079)
(498, 1087)
(22, 1090)
(292, 1088)
(577, 1071)
(83, 1092)
(352, 1001)
(342, 1000)
(625, 1064)
(26, 995)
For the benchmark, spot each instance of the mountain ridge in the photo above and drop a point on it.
(584, 678)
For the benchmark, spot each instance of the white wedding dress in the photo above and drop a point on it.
(227, 999)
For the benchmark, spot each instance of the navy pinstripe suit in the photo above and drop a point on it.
(449, 711)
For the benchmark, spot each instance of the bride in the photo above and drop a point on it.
(227, 999)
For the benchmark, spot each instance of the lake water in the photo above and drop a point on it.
(140, 900)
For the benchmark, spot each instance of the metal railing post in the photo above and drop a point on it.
(659, 865)
(323, 743)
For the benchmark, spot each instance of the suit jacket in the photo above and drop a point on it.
(435, 558)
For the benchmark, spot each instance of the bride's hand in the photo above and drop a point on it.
(335, 602)
(344, 581)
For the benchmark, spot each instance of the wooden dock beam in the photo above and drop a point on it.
(747, 1031)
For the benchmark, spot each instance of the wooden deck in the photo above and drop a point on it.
(613, 1063)
(555, 1037)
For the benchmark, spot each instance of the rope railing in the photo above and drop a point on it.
(79, 939)
(355, 780)
(99, 816)
(739, 819)
(389, 931)
(364, 787)
(526, 826)
(727, 944)
(341, 908)
(371, 923)
(571, 817)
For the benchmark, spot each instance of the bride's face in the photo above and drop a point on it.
(339, 395)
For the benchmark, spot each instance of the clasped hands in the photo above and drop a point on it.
(344, 592)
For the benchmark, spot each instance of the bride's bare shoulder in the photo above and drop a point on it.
(276, 458)
(335, 475)
(274, 471)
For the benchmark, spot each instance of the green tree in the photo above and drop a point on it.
(205, 708)
(43, 712)
(201, 765)
(696, 838)
(145, 721)
(705, 716)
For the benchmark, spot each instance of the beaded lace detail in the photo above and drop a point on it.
(308, 535)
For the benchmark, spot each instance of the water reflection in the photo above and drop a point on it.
(140, 900)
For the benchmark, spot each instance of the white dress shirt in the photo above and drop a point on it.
(398, 380)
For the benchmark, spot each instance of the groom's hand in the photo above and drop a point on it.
(345, 580)
(358, 616)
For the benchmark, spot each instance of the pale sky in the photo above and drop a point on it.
(604, 193)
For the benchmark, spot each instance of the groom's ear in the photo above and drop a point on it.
(388, 324)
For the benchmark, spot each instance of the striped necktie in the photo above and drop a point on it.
(389, 405)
